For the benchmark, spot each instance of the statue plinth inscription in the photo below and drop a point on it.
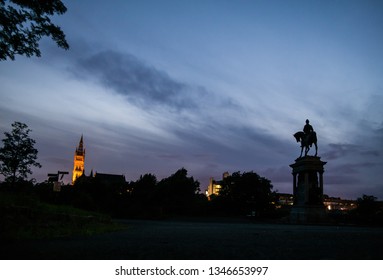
(308, 190)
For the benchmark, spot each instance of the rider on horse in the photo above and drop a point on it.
(307, 137)
(308, 129)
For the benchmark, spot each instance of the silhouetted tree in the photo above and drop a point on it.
(367, 208)
(178, 193)
(246, 193)
(24, 22)
(144, 187)
(18, 154)
(107, 193)
(143, 200)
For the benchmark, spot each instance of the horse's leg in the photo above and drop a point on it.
(307, 150)
(301, 152)
(316, 148)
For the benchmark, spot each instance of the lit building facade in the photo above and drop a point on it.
(336, 203)
(284, 199)
(79, 161)
(215, 186)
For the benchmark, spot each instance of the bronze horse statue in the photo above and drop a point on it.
(307, 141)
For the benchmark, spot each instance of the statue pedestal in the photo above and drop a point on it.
(308, 190)
(308, 214)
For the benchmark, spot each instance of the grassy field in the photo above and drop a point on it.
(23, 216)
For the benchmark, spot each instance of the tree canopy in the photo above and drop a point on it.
(246, 193)
(24, 22)
(18, 154)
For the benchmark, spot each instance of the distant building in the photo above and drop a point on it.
(215, 186)
(79, 161)
(331, 203)
(112, 182)
(336, 203)
(99, 178)
(284, 199)
(109, 179)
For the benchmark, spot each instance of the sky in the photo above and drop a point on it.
(208, 85)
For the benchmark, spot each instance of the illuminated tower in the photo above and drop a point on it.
(79, 160)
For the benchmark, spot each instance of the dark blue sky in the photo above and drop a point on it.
(211, 86)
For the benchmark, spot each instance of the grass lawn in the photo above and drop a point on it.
(23, 216)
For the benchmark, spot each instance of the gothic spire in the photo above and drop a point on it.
(80, 149)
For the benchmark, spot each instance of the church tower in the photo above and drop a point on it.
(79, 160)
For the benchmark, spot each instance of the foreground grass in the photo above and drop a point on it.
(23, 216)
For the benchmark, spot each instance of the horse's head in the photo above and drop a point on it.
(297, 136)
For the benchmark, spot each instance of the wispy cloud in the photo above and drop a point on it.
(141, 83)
(337, 151)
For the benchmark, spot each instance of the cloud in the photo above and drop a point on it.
(337, 151)
(141, 83)
(340, 150)
(280, 174)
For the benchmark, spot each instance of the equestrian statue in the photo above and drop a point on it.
(307, 137)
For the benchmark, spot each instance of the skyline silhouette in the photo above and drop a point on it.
(210, 87)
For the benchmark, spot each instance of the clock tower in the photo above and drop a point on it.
(79, 160)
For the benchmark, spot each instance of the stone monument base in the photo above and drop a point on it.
(308, 214)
